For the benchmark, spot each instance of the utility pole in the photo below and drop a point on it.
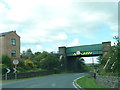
(94, 73)
(93, 62)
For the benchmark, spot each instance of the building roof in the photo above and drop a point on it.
(5, 33)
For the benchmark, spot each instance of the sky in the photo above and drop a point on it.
(45, 25)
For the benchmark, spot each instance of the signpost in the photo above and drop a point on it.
(8, 71)
(15, 62)
(14, 70)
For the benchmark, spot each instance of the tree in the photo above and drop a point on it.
(29, 64)
(49, 61)
(99, 59)
(117, 38)
(111, 59)
(23, 55)
(37, 53)
(6, 60)
(27, 54)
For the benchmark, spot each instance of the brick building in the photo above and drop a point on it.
(10, 44)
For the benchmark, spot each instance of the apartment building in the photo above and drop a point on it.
(10, 44)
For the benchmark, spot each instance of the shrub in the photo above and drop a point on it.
(7, 61)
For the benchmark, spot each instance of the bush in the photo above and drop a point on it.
(4, 68)
(50, 62)
(7, 61)
(56, 70)
(20, 69)
(29, 64)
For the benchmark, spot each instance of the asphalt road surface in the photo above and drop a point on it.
(53, 81)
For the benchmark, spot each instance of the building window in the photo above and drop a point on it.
(12, 41)
(13, 53)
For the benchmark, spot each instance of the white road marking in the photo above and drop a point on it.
(75, 83)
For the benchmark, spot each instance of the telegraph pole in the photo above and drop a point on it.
(93, 62)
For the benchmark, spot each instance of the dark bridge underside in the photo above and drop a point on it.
(73, 65)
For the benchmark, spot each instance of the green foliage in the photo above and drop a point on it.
(20, 69)
(27, 54)
(44, 60)
(28, 64)
(99, 59)
(113, 56)
(56, 70)
(7, 61)
(49, 62)
(4, 66)
(86, 82)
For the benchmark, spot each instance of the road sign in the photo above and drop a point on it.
(78, 52)
(14, 70)
(15, 61)
(8, 70)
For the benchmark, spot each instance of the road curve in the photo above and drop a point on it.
(53, 81)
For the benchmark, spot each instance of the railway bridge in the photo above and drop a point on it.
(68, 54)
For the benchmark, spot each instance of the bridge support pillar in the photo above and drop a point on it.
(62, 51)
(105, 47)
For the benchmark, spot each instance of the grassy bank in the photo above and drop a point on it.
(86, 82)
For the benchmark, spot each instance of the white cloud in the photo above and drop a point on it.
(23, 49)
(114, 34)
(74, 43)
(49, 50)
(39, 48)
(51, 20)
(114, 27)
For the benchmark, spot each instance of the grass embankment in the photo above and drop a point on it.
(86, 82)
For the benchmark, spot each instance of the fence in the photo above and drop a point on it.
(26, 75)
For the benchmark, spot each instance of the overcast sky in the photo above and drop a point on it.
(44, 25)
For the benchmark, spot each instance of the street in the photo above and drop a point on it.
(53, 81)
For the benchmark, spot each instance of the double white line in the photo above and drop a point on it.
(76, 85)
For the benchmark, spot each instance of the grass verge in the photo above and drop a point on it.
(86, 82)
